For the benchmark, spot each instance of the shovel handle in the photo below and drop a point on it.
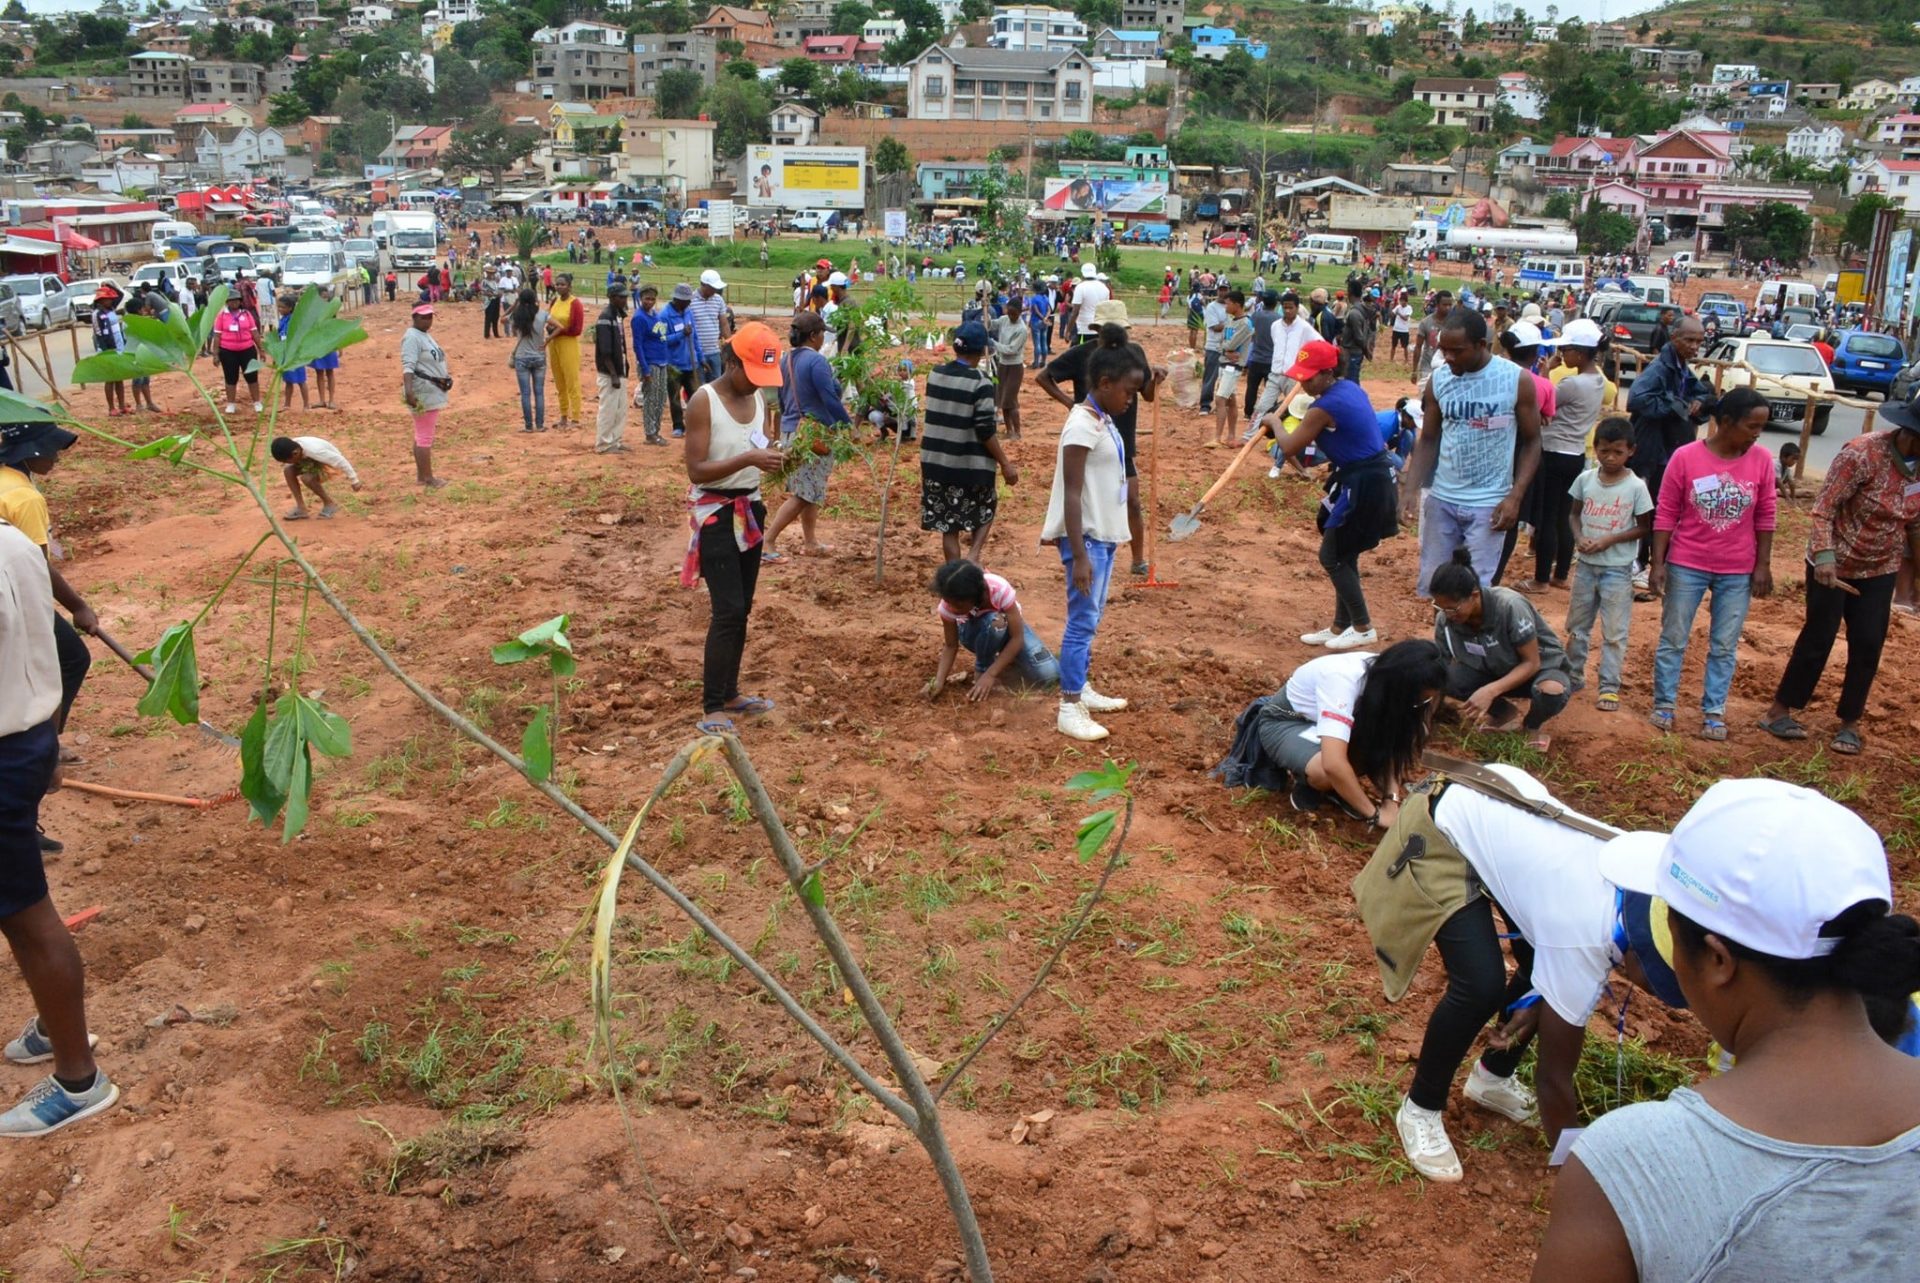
(1227, 476)
(125, 655)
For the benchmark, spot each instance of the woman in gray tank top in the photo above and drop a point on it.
(1802, 1163)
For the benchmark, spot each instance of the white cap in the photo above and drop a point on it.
(1525, 334)
(1580, 333)
(1100, 276)
(1531, 312)
(838, 278)
(1759, 862)
(1089, 271)
(711, 279)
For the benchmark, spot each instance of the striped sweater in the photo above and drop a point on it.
(958, 425)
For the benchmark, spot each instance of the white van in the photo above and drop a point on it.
(1552, 273)
(160, 233)
(1798, 294)
(1323, 247)
(1651, 289)
(318, 263)
(810, 220)
(317, 227)
(416, 200)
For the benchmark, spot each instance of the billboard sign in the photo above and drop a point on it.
(896, 220)
(807, 177)
(1899, 251)
(1105, 196)
(720, 219)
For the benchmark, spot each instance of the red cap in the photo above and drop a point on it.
(1316, 357)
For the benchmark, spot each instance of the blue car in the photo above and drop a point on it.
(1864, 361)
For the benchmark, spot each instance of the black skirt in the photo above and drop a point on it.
(1361, 507)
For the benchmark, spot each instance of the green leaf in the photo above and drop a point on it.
(264, 797)
(163, 338)
(535, 747)
(116, 367)
(172, 446)
(283, 767)
(297, 791)
(814, 890)
(554, 630)
(1109, 781)
(175, 691)
(513, 652)
(202, 323)
(15, 408)
(326, 731)
(562, 663)
(1093, 833)
(312, 331)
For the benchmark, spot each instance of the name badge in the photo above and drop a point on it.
(1705, 485)
(1499, 422)
(1475, 648)
(759, 439)
(1913, 488)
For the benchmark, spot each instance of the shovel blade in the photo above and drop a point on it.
(1184, 526)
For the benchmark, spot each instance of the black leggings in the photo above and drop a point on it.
(233, 365)
(731, 575)
(1866, 617)
(1542, 706)
(680, 389)
(1553, 515)
(75, 660)
(1477, 990)
(1257, 373)
(1349, 599)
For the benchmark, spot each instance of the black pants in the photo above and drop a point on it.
(1866, 618)
(731, 575)
(680, 389)
(1256, 374)
(75, 660)
(492, 330)
(1542, 706)
(1553, 515)
(1477, 990)
(1349, 599)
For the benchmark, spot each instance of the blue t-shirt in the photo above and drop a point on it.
(1398, 436)
(1354, 434)
(808, 387)
(1477, 433)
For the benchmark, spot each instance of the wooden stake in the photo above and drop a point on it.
(1151, 512)
(1806, 439)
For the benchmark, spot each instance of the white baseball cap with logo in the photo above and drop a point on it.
(1761, 863)
(711, 279)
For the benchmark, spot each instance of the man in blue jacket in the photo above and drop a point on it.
(681, 353)
(650, 360)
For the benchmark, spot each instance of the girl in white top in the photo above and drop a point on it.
(727, 449)
(1087, 521)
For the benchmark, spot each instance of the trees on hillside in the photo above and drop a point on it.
(891, 157)
(1771, 229)
(676, 95)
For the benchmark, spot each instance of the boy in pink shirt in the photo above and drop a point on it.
(1712, 534)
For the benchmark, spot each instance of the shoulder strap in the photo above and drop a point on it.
(1491, 784)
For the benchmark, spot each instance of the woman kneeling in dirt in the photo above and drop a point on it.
(1341, 722)
(1498, 649)
(1468, 841)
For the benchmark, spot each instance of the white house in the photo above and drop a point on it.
(794, 124)
(365, 17)
(1899, 179)
(249, 23)
(1867, 95)
(1808, 143)
(581, 33)
(1545, 33)
(1037, 28)
(1522, 97)
(882, 31)
(946, 83)
(228, 152)
(1734, 73)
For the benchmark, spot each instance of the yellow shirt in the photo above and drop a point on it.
(22, 505)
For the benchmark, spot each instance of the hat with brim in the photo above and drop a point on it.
(1643, 926)
(1111, 311)
(971, 337)
(683, 293)
(1902, 414)
(759, 354)
(20, 442)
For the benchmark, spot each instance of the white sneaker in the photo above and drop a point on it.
(1423, 1135)
(1075, 722)
(232, 408)
(257, 407)
(1508, 1097)
(1273, 474)
(1098, 703)
(1350, 639)
(1322, 637)
(1640, 580)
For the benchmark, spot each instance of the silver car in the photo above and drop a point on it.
(11, 316)
(43, 298)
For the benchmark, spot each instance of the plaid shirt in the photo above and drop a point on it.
(1864, 511)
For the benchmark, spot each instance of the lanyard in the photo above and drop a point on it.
(1119, 443)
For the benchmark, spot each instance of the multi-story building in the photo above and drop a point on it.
(1810, 143)
(998, 84)
(1124, 45)
(280, 74)
(1031, 28)
(417, 146)
(369, 17)
(1467, 103)
(673, 154)
(1167, 17)
(158, 75)
(1664, 61)
(802, 18)
(753, 28)
(1899, 179)
(1606, 38)
(584, 62)
(1899, 133)
(1578, 163)
(1215, 43)
(1674, 167)
(946, 179)
(657, 52)
(1823, 94)
(1869, 95)
(237, 82)
(1734, 73)
(229, 152)
(195, 114)
(793, 124)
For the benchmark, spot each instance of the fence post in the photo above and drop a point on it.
(1806, 439)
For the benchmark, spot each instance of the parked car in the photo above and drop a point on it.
(43, 299)
(80, 295)
(1230, 240)
(364, 251)
(266, 263)
(695, 217)
(233, 265)
(1789, 375)
(1792, 316)
(1864, 361)
(11, 317)
(1724, 308)
(1633, 324)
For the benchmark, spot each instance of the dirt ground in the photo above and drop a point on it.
(366, 1054)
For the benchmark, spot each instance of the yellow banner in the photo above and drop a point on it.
(821, 177)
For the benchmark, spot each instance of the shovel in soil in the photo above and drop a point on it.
(1188, 522)
(208, 729)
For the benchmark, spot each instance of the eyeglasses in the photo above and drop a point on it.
(1452, 612)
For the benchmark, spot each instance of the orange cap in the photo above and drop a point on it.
(759, 351)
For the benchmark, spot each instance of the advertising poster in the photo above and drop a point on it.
(1899, 261)
(896, 224)
(1105, 195)
(806, 177)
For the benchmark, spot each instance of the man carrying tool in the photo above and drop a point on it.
(42, 946)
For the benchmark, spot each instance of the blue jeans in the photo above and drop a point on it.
(712, 365)
(1353, 365)
(1606, 593)
(532, 377)
(1445, 526)
(1083, 613)
(986, 636)
(1732, 594)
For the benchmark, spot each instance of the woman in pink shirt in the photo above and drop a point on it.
(1712, 533)
(238, 334)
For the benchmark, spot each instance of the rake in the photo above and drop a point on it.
(229, 742)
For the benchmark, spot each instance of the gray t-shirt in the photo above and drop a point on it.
(1609, 510)
(1704, 1200)
(420, 355)
(1578, 399)
(1507, 621)
(531, 346)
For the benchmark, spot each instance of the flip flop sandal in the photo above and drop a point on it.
(1609, 701)
(1539, 741)
(1713, 728)
(772, 558)
(751, 706)
(293, 516)
(1848, 743)
(1662, 719)
(714, 724)
(1784, 728)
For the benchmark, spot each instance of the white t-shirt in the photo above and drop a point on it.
(1087, 296)
(1547, 878)
(1402, 317)
(29, 665)
(1324, 691)
(1288, 340)
(1103, 494)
